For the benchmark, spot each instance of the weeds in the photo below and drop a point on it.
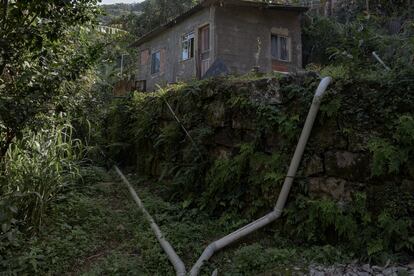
(98, 230)
(37, 168)
(355, 227)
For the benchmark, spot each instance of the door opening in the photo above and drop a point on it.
(203, 50)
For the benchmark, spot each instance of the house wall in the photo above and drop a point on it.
(243, 38)
(174, 69)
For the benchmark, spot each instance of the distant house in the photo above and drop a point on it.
(221, 37)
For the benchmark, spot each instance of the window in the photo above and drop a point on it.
(280, 48)
(155, 62)
(188, 46)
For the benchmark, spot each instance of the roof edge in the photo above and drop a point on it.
(206, 3)
(170, 23)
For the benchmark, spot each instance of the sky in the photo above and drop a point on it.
(120, 1)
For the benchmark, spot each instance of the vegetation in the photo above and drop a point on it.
(40, 50)
(113, 13)
(140, 18)
(53, 63)
(96, 229)
(61, 210)
(247, 178)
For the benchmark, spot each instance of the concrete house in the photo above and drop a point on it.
(221, 37)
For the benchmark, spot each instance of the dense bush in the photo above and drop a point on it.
(353, 226)
(349, 45)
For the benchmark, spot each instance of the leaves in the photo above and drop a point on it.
(152, 14)
(390, 155)
(356, 227)
(43, 48)
(374, 247)
(36, 169)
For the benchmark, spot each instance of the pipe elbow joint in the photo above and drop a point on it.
(277, 213)
(320, 92)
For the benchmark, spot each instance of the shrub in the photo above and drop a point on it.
(37, 168)
(352, 225)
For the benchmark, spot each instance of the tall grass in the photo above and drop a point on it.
(37, 167)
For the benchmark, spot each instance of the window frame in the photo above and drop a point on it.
(279, 47)
(188, 38)
(153, 65)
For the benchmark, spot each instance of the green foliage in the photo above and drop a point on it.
(278, 259)
(351, 10)
(49, 225)
(346, 48)
(405, 130)
(318, 36)
(112, 13)
(141, 18)
(45, 46)
(263, 257)
(367, 111)
(98, 230)
(163, 149)
(390, 155)
(387, 158)
(331, 108)
(76, 228)
(36, 169)
(355, 226)
(245, 176)
(232, 184)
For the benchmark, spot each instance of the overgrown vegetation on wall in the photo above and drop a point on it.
(244, 134)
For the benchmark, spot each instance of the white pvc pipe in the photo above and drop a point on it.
(166, 246)
(276, 213)
(376, 56)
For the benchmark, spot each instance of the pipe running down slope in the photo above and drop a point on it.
(217, 245)
(275, 214)
(166, 246)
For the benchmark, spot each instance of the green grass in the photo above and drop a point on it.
(97, 230)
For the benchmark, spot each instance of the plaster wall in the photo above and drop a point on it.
(173, 68)
(243, 37)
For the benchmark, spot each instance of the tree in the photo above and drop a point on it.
(42, 45)
(153, 13)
